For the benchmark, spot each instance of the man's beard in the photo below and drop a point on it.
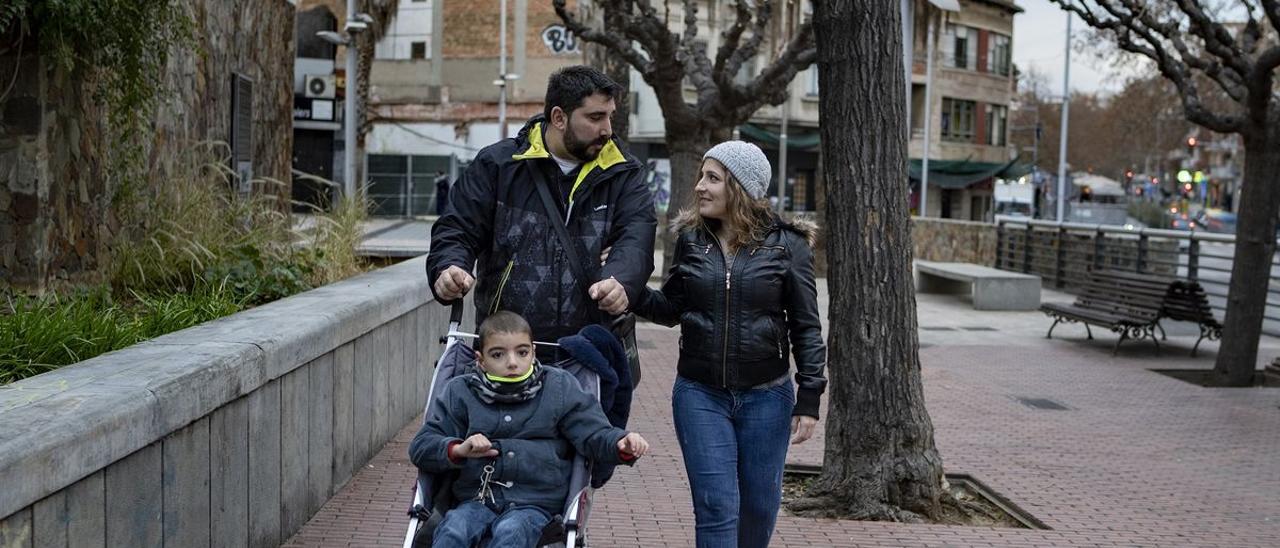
(581, 149)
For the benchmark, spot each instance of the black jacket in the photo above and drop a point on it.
(737, 327)
(496, 221)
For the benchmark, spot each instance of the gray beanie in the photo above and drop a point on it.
(747, 163)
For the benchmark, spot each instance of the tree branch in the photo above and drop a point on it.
(694, 55)
(1124, 25)
(1272, 9)
(1217, 39)
(730, 37)
(764, 12)
(770, 87)
(614, 42)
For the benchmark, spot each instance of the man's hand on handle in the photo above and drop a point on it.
(609, 296)
(475, 447)
(453, 283)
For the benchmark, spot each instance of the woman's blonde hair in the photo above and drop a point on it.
(749, 219)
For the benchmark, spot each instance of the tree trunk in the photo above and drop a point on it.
(613, 65)
(880, 461)
(1251, 267)
(684, 149)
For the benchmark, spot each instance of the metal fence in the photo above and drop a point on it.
(1063, 253)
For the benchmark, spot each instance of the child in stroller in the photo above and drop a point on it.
(510, 429)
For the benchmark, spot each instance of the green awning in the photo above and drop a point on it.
(803, 140)
(962, 173)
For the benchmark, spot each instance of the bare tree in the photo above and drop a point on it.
(880, 461)
(383, 13)
(1203, 56)
(666, 60)
(617, 68)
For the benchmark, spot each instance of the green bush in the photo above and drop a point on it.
(192, 250)
(42, 334)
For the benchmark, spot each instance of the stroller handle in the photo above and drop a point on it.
(455, 312)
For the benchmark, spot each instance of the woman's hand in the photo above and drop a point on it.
(802, 428)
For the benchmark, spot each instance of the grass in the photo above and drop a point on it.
(39, 334)
(191, 250)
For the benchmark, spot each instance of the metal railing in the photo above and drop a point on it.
(1063, 254)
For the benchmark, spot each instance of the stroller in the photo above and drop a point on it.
(433, 497)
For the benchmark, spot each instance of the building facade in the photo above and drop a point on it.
(972, 88)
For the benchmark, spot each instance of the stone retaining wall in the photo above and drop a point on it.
(233, 432)
(949, 240)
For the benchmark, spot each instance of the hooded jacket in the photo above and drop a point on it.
(737, 325)
(535, 439)
(497, 222)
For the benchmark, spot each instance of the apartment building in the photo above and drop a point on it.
(972, 88)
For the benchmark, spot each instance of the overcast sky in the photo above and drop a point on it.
(1039, 38)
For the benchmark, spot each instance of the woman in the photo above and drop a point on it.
(742, 288)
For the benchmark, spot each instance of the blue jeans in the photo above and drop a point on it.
(464, 526)
(734, 444)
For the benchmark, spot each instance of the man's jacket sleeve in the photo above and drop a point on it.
(631, 257)
(466, 228)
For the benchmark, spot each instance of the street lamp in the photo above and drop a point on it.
(356, 23)
(503, 77)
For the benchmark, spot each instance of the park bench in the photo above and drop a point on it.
(1186, 301)
(992, 289)
(1126, 303)
(1133, 304)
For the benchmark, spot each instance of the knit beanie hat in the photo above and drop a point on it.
(747, 163)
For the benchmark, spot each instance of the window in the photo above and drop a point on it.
(998, 51)
(402, 185)
(960, 47)
(418, 50)
(957, 119)
(813, 81)
(997, 124)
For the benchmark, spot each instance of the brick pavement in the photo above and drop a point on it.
(1138, 459)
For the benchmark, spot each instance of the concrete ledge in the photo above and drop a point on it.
(68, 424)
(992, 289)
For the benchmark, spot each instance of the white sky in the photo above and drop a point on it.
(1039, 38)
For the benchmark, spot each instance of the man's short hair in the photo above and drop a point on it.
(569, 86)
(502, 321)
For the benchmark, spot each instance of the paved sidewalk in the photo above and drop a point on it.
(1136, 459)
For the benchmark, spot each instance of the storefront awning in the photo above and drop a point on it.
(962, 173)
(797, 140)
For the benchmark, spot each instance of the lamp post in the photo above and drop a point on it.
(1062, 144)
(356, 23)
(503, 77)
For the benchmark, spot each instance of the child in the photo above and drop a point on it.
(510, 427)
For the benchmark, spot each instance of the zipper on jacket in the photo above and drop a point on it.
(728, 286)
(502, 284)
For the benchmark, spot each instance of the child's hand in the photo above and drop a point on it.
(475, 447)
(634, 445)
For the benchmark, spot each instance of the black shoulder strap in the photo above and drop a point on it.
(553, 214)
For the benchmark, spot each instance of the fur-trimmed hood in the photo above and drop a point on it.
(806, 228)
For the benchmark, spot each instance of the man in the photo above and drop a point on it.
(497, 221)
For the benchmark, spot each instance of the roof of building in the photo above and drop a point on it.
(1006, 4)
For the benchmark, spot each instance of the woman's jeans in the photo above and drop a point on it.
(517, 527)
(734, 444)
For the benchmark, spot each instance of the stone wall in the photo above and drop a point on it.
(56, 183)
(231, 433)
(949, 240)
